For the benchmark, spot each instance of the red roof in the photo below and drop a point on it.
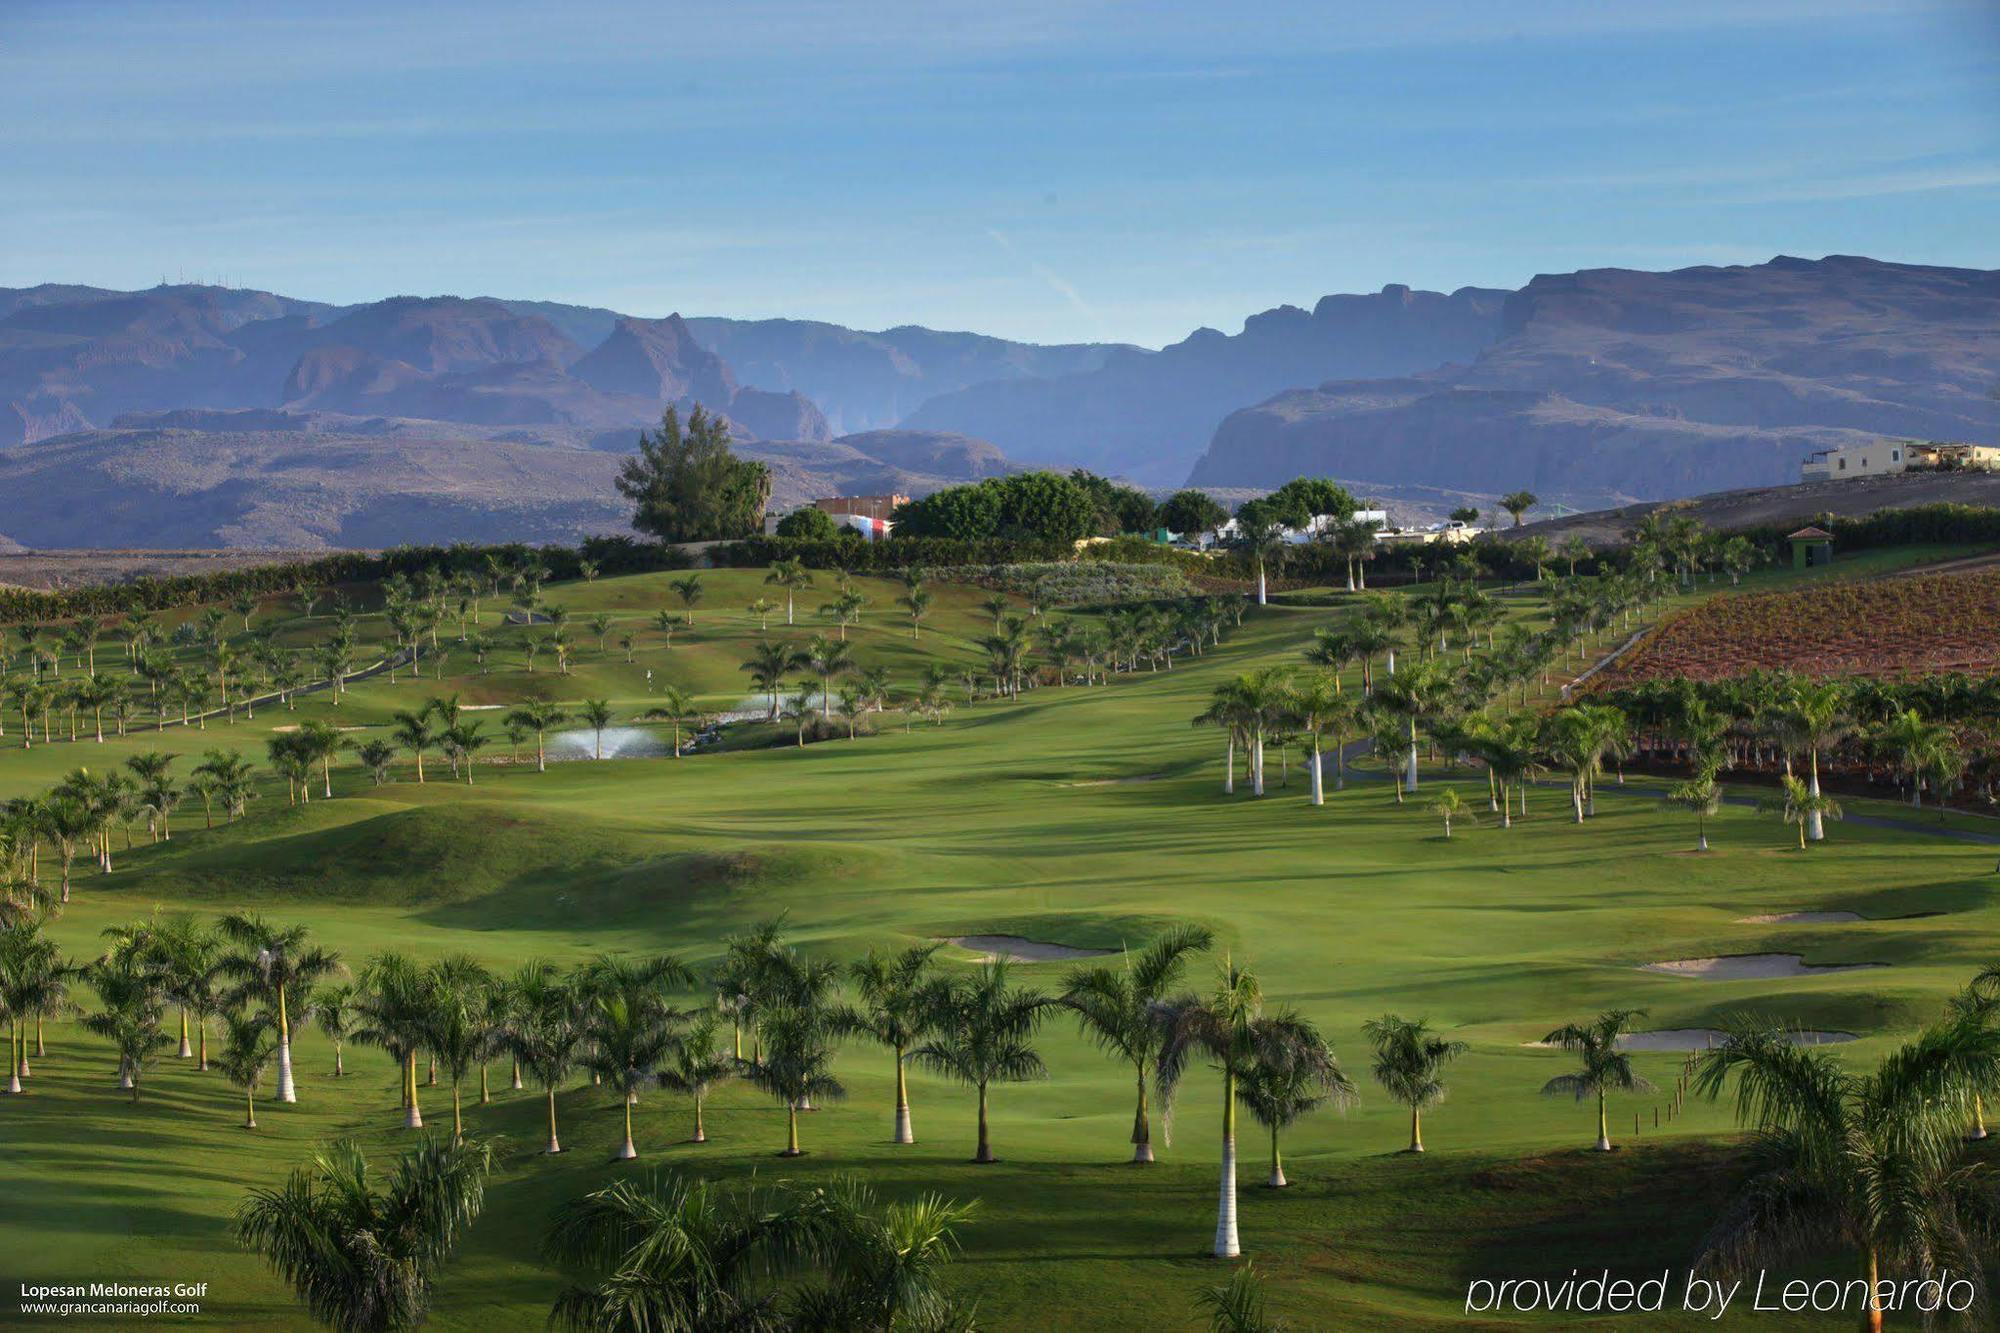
(1811, 534)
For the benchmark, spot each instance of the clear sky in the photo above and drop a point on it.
(1045, 169)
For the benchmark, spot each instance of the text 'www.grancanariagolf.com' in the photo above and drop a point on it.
(128, 1300)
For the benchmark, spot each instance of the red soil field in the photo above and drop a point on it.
(1886, 627)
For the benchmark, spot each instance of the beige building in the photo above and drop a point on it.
(1934, 454)
(1859, 460)
(862, 506)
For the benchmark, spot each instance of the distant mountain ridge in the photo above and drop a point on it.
(1655, 385)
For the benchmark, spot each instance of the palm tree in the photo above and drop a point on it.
(358, 1256)
(1603, 1068)
(1289, 1083)
(918, 603)
(275, 963)
(128, 988)
(761, 608)
(1419, 693)
(674, 1255)
(1118, 1008)
(393, 1004)
(1518, 503)
(453, 1023)
(1798, 805)
(1813, 719)
(546, 1036)
(1869, 1160)
(1701, 797)
(1447, 805)
(676, 706)
(1409, 1064)
(376, 756)
(628, 1026)
(796, 1063)
(898, 1005)
(1915, 746)
(334, 1014)
(791, 575)
(34, 983)
(192, 958)
(249, 1043)
(1317, 706)
(697, 1068)
(414, 733)
(1232, 1029)
(826, 658)
(690, 591)
(1228, 710)
(596, 715)
(982, 1033)
(1237, 1306)
(768, 666)
(540, 717)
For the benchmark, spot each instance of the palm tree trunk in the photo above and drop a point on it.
(1227, 1246)
(249, 1108)
(185, 1050)
(287, 1090)
(555, 1144)
(516, 1084)
(1277, 1180)
(1815, 829)
(628, 1150)
(1416, 1129)
(791, 1130)
(1228, 777)
(1318, 783)
(1142, 1125)
(985, 1153)
(413, 1118)
(903, 1132)
(1872, 1320)
(1603, 1128)
(1978, 1118)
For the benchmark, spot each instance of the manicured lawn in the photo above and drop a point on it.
(1027, 819)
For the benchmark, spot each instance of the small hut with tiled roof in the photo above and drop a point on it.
(1811, 548)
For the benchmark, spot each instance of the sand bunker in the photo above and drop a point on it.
(1799, 918)
(1017, 950)
(1750, 967)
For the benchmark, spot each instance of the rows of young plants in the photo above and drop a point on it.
(1889, 627)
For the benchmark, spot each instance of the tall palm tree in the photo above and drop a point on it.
(1701, 797)
(392, 1005)
(844, 610)
(193, 959)
(546, 1036)
(1603, 1068)
(897, 1007)
(982, 1033)
(768, 666)
(677, 706)
(540, 717)
(1227, 710)
(1230, 1027)
(1410, 1061)
(1313, 705)
(249, 1044)
(1119, 1006)
(273, 964)
(1418, 694)
(826, 658)
(334, 1014)
(696, 1067)
(790, 574)
(796, 1063)
(1814, 718)
(133, 1005)
(596, 715)
(1870, 1160)
(361, 1256)
(454, 1024)
(34, 983)
(627, 1024)
(414, 732)
(1798, 805)
(1287, 1083)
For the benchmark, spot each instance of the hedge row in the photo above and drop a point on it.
(612, 555)
(866, 557)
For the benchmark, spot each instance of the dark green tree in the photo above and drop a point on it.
(810, 524)
(1192, 511)
(686, 485)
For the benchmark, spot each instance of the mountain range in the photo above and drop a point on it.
(368, 423)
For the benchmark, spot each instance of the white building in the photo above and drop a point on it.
(1858, 460)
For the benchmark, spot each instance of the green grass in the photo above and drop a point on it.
(1011, 818)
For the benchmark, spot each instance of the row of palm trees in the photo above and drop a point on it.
(774, 1020)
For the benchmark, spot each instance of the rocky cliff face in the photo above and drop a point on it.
(1148, 414)
(1655, 384)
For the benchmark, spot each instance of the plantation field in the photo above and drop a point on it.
(1086, 816)
(1908, 625)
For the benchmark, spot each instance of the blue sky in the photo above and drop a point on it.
(1045, 170)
